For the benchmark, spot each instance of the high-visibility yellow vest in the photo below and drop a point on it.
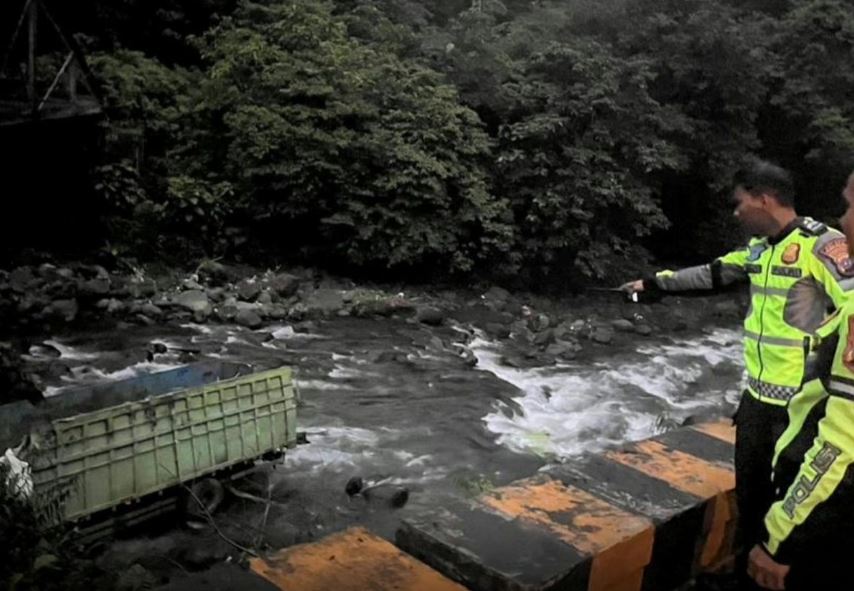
(815, 454)
(796, 280)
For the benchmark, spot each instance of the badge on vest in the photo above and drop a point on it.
(791, 254)
(836, 251)
(756, 251)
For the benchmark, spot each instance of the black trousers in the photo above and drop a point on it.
(757, 427)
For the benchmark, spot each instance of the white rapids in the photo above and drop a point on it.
(568, 409)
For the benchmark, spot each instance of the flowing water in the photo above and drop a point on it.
(396, 402)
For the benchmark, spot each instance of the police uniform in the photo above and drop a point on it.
(796, 278)
(811, 523)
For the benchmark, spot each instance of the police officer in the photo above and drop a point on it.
(797, 269)
(810, 526)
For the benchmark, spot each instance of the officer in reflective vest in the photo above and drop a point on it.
(798, 270)
(810, 525)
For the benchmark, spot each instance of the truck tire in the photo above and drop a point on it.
(207, 491)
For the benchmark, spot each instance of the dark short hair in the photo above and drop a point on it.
(760, 176)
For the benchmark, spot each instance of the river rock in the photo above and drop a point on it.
(623, 325)
(284, 284)
(563, 350)
(324, 302)
(544, 338)
(602, 335)
(365, 304)
(249, 319)
(265, 298)
(225, 313)
(468, 357)
(216, 294)
(297, 312)
(497, 330)
(63, 309)
(248, 289)
(430, 316)
(143, 320)
(92, 271)
(150, 310)
(727, 308)
(94, 288)
(191, 283)
(110, 305)
(643, 329)
(142, 287)
(214, 273)
(194, 301)
(498, 294)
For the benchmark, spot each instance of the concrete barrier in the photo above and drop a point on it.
(642, 518)
(352, 560)
(645, 517)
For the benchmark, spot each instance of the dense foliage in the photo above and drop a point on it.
(544, 140)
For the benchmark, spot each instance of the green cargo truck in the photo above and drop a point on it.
(131, 444)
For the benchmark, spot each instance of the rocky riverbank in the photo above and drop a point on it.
(40, 301)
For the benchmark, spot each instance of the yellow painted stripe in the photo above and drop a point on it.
(353, 560)
(723, 430)
(620, 542)
(679, 469)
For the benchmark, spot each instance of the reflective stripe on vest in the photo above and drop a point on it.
(771, 390)
(772, 291)
(841, 387)
(768, 340)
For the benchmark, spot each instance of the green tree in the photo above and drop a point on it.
(809, 122)
(340, 146)
(580, 158)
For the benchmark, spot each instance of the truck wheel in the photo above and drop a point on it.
(208, 494)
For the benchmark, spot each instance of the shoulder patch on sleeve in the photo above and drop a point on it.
(813, 227)
(836, 252)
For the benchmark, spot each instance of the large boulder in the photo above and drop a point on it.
(249, 319)
(195, 301)
(284, 284)
(430, 316)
